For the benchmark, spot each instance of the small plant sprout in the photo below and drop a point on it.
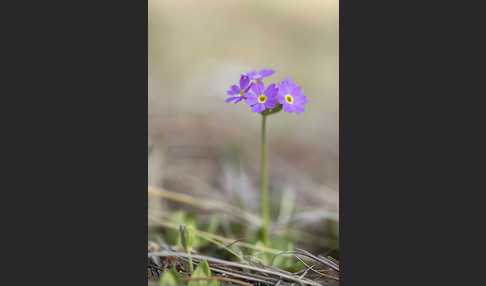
(188, 238)
(285, 95)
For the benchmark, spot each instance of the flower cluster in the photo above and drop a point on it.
(285, 95)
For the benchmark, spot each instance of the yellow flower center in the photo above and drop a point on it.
(289, 98)
(262, 98)
(242, 92)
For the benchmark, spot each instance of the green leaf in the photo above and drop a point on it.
(188, 237)
(286, 262)
(212, 228)
(169, 279)
(202, 270)
(213, 224)
(266, 258)
(176, 274)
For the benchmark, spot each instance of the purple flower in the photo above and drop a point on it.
(241, 90)
(291, 96)
(254, 75)
(261, 98)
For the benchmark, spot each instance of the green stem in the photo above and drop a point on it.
(264, 183)
(191, 266)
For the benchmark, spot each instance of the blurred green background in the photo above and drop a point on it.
(200, 145)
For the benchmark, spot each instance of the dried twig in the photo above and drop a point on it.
(321, 259)
(206, 204)
(309, 255)
(239, 274)
(280, 274)
(217, 278)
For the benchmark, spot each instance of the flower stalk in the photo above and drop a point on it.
(264, 182)
(284, 95)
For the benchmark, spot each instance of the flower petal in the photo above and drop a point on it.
(259, 107)
(252, 95)
(298, 109)
(288, 108)
(299, 92)
(300, 100)
(249, 86)
(271, 91)
(295, 90)
(252, 74)
(289, 81)
(234, 90)
(272, 99)
(250, 100)
(258, 88)
(283, 88)
(229, 99)
(266, 72)
(280, 98)
(270, 104)
(244, 81)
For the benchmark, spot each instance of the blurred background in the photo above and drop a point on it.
(208, 149)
